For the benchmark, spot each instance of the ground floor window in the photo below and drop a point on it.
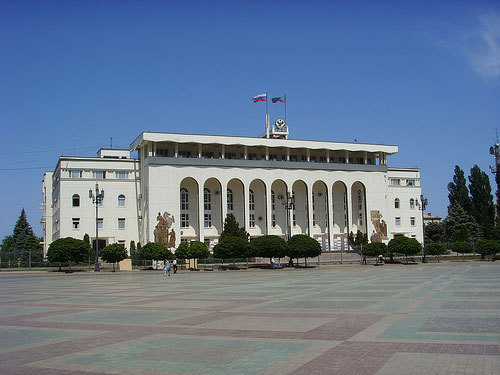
(208, 221)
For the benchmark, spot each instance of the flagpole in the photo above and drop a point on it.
(285, 108)
(267, 105)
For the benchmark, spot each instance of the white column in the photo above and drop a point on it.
(245, 152)
(246, 202)
(308, 155)
(268, 208)
(223, 152)
(347, 157)
(200, 150)
(154, 148)
(287, 154)
(349, 209)
(224, 201)
(365, 157)
(176, 150)
(327, 156)
(267, 152)
(329, 194)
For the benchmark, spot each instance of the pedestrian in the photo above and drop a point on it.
(364, 259)
(175, 265)
(273, 263)
(166, 270)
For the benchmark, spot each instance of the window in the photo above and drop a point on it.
(252, 156)
(396, 203)
(75, 173)
(342, 159)
(76, 200)
(121, 200)
(230, 155)
(122, 175)
(395, 182)
(294, 216)
(184, 154)
(230, 205)
(313, 159)
(360, 208)
(273, 157)
(293, 157)
(345, 210)
(184, 220)
(207, 221)
(161, 152)
(121, 223)
(99, 175)
(360, 161)
(410, 182)
(207, 155)
(76, 223)
(184, 200)
(322, 159)
(251, 208)
(121, 242)
(412, 203)
(412, 221)
(100, 223)
(273, 209)
(369, 161)
(398, 221)
(207, 197)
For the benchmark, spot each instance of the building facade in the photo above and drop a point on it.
(180, 187)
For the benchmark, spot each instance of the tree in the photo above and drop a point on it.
(404, 245)
(483, 209)
(488, 247)
(182, 251)
(232, 228)
(32, 253)
(6, 249)
(456, 219)
(302, 246)
(156, 251)
(434, 232)
(436, 248)
(458, 192)
(462, 248)
(23, 240)
(68, 250)
(232, 247)
(114, 253)
(198, 250)
(374, 249)
(269, 246)
(133, 251)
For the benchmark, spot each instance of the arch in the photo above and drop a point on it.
(121, 200)
(238, 204)
(278, 211)
(358, 204)
(212, 208)
(397, 203)
(257, 208)
(75, 200)
(339, 215)
(412, 203)
(320, 201)
(189, 210)
(300, 218)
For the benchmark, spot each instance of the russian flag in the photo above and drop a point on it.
(260, 98)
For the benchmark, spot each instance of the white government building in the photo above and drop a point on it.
(189, 183)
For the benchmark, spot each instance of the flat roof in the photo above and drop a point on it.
(256, 142)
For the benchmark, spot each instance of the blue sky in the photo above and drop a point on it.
(421, 75)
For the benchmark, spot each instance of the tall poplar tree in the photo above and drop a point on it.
(483, 209)
(458, 192)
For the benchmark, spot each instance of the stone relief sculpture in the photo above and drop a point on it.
(162, 233)
(380, 232)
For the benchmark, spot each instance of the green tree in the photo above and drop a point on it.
(232, 247)
(269, 246)
(198, 250)
(405, 246)
(114, 253)
(23, 240)
(68, 250)
(156, 251)
(456, 219)
(436, 248)
(133, 251)
(462, 248)
(232, 228)
(32, 254)
(458, 192)
(488, 247)
(483, 209)
(182, 251)
(435, 232)
(302, 246)
(6, 249)
(375, 249)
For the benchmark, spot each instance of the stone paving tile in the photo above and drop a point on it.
(435, 318)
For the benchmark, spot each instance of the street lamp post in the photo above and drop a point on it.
(421, 206)
(288, 203)
(97, 199)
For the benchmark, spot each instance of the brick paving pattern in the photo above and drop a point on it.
(395, 319)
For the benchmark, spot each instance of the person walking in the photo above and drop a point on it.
(273, 263)
(175, 265)
(166, 270)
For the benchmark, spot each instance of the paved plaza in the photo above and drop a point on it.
(394, 319)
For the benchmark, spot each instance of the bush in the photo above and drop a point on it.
(231, 247)
(436, 248)
(488, 247)
(462, 248)
(302, 246)
(154, 250)
(68, 250)
(198, 250)
(405, 246)
(182, 251)
(374, 249)
(269, 246)
(114, 253)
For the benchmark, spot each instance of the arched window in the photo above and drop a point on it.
(412, 203)
(396, 203)
(360, 208)
(230, 205)
(314, 209)
(294, 213)
(184, 200)
(251, 209)
(121, 200)
(273, 209)
(76, 200)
